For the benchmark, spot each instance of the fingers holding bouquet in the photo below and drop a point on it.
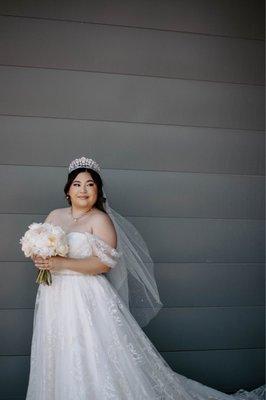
(51, 263)
(42, 262)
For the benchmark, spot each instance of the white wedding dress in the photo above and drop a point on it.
(86, 345)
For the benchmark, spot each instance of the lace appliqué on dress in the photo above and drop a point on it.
(106, 253)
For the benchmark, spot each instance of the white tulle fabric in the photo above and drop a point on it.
(86, 345)
(134, 278)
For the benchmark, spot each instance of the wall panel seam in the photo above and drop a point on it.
(240, 83)
(164, 308)
(160, 217)
(242, 130)
(168, 351)
(136, 27)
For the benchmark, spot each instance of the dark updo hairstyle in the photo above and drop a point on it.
(97, 180)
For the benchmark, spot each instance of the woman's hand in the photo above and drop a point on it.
(53, 263)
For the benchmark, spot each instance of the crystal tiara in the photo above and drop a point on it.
(84, 162)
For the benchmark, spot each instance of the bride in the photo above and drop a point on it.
(87, 341)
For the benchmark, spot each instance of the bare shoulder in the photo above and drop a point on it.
(102, 226)
(100, 218)
(55, 215)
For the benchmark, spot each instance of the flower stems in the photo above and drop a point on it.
(44, 277)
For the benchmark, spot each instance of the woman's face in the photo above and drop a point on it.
(83, 191)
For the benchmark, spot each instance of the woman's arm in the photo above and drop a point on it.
(90, 265)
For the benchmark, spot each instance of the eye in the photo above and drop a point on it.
(77, 184)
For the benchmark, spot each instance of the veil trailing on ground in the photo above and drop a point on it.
(133, 276)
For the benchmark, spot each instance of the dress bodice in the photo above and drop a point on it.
(80, 244)
(85, 244)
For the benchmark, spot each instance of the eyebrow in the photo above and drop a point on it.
(88, 180)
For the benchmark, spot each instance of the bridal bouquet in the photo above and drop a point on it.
(45, 240)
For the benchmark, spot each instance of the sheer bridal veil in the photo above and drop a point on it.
(133, 276)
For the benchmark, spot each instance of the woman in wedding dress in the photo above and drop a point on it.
(86, 344)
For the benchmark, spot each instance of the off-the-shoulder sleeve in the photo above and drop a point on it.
(106, 253)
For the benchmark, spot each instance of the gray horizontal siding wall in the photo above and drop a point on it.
(171, 104)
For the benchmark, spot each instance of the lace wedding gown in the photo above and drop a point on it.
(86, 345)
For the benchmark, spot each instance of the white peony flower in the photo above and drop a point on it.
(46, 240)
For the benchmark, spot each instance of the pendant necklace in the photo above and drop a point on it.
(77, 218)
